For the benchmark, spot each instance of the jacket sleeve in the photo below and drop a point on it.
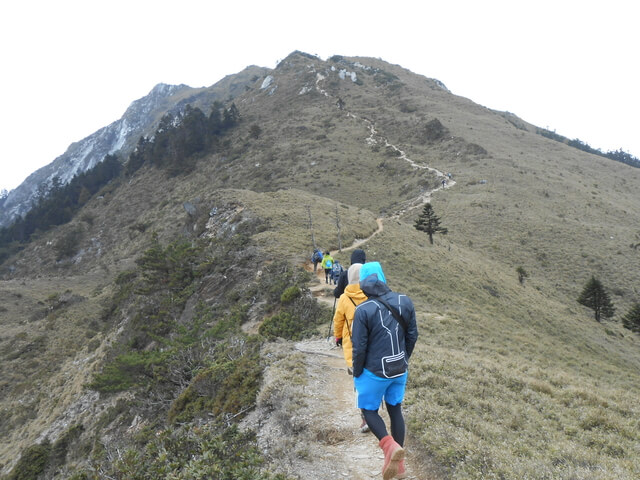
(338, 320)
(359, 339)
(342, 284)
(410, 337)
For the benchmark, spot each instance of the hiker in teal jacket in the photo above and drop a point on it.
(383, 337)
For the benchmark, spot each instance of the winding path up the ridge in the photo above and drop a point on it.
(330, 396)
(375, 138)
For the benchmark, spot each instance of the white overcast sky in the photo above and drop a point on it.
(69, 68)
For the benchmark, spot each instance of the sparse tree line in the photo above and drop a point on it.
(175, 147)
(179, 139)
(593, 296)
(617, 155)
(56, 204)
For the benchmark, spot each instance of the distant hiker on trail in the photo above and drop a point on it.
(316, 258)
(327, 265)
(384, 334)
(357, 256)
(444, 182)
(343, 320)
(336, 272)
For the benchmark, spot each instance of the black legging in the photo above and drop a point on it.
(327, 275)
(379, 429)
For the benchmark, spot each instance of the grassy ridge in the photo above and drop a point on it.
(507, 381)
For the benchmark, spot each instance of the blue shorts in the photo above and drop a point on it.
(371, 389)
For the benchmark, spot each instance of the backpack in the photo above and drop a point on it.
(329, 264)
(316, 257)
(336, 270)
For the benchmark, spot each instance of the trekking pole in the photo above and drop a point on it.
(331, 321)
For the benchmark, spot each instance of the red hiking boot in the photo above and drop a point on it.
(402, 473)
(393, 454)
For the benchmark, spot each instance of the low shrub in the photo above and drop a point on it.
(290, 294)
(281, 325)
(67, 245)
(195, 452)
(130, 370)
(32, 463)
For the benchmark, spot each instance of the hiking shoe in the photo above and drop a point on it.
(393, 454)
(364, 428)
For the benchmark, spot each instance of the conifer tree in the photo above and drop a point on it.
(632, 319)
(522, 274)
(429, 222)
(230, 116)
(597, 299)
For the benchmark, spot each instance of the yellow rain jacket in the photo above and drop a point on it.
(343, 318)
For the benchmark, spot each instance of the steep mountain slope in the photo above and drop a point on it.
(121, 136)
(508, 380)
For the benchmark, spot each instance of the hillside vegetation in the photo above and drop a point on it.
(137, 351)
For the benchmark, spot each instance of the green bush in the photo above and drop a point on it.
(632, 319)
(228, 387)
(290, 294)
(67, 245)
(130, 370)
(32, 463)
(191, 452)
(61, 446)
(281, 325)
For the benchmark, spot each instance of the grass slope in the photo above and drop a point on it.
(508, 381)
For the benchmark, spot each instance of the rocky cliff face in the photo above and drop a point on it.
(121, 136)
(86, 153)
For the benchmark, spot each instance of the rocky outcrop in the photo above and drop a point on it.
(121, 136)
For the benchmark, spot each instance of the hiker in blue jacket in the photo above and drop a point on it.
(316, 258)
(383, 336)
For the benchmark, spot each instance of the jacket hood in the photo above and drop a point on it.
(372, 267)
(353, 274)
(355, 292)
(358, 256)
(372, 287)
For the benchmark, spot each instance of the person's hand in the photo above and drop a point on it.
(338, 342)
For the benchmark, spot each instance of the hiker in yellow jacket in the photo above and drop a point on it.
(343, 319)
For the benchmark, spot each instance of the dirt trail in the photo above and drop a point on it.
(375, 138)
(360, 241)
(329, 394)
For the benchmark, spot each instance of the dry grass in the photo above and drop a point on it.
(51, 342)
(508, 381)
